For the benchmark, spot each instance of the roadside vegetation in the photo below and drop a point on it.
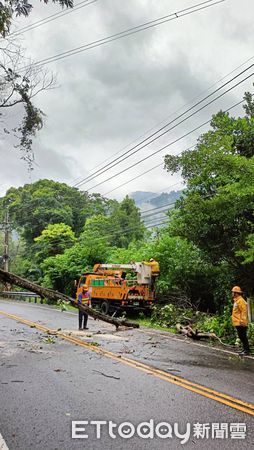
(206, 247)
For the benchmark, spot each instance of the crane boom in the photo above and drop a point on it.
(119, 266)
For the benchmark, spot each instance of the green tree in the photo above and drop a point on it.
(96, 244)
(34, 206)
(248, 252)
(126, 224)
(54, 240)
(96, 231)
(216, 211)
(136, 251)
(60, 271)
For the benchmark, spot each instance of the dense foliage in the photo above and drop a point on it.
(216, 211)
(62, 230)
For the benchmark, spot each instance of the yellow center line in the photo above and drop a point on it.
(204, 391)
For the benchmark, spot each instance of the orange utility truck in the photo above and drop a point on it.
(116, 287)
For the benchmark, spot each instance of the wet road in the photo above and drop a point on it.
(46, 383)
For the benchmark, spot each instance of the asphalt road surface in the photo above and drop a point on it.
(189, 395)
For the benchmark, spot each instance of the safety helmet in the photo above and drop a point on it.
(151, 259)
(85, 287)
(237, 289)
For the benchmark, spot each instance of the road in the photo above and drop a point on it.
(47, 382)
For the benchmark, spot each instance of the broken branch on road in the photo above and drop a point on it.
(196, 335)
(107, 376)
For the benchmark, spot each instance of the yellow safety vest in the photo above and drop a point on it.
(240, 312)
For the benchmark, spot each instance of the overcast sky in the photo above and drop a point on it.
(110, 96)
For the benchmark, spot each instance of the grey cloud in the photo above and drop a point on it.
(112, 94)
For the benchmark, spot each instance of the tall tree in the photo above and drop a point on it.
(126, 223)
(216, 211)
(54, 240)
(34, 206)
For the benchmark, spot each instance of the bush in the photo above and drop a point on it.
(251, 333)
(169, 315)
(221, 325)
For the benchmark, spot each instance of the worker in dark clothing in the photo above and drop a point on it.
(83, 299)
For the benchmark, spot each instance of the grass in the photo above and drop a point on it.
(146, 322)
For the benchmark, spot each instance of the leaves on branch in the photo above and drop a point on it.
(18, 88)
(9, 8)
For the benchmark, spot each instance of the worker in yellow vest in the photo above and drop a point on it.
(154, 266)
(155, 269)
(240, 318)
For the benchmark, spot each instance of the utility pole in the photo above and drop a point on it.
(6, 241)
(6, 228)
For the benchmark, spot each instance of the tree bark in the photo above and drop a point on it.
(196, 335)
(8, 277)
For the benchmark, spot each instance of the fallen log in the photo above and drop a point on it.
(50, 294)
(196, 335)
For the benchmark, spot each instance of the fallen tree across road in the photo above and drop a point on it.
(8, 277)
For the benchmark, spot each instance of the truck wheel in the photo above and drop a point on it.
(105, 307)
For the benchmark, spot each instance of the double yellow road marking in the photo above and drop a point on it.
(219, 397)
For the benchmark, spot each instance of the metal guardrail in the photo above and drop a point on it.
(20, 295)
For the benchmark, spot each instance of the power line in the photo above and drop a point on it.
(143, 216)
(113, 233)
(76, 180)
(135, 149)
(132, 179)
(148, 224)
(176, 140)
(52, 17)
(133, 228)
(169, 204)
(143, 173)
(127, 32)
(159, 223)
(58, 240)
(162, 191)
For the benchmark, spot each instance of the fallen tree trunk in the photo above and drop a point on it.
(196, 335)
(8, 277)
